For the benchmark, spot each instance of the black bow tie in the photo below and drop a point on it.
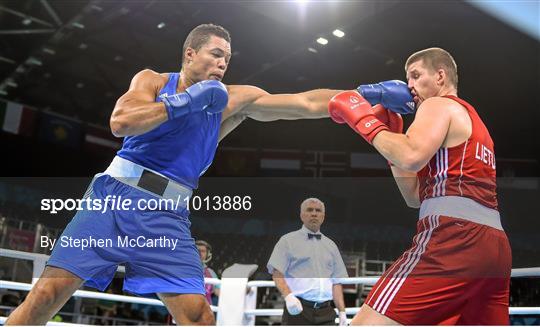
(317, 236)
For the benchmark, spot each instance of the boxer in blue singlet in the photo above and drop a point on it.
(171, 124)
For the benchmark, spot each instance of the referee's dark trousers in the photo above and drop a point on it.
(314, 313)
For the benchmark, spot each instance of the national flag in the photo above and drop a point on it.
(17, 119)
(281, 162)
(99, 139)
(236, 162)
(60, 130)
(325, 164)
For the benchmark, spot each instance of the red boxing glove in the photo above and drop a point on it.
(389, 118)
(351, 108)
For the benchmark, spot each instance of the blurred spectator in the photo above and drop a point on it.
(205, 251)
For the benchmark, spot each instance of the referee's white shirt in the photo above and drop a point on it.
(310, 266)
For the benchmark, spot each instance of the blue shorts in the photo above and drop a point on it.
(155, 246)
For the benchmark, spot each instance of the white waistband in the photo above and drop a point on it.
(130, 173)
(461, 207)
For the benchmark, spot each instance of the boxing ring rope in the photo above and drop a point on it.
(39, 261)
(50, 323)
(518, 272)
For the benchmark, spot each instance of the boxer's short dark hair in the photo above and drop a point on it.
(201, 34)
(436, 58)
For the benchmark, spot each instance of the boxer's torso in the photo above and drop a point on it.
(466, 170)
(181, 149)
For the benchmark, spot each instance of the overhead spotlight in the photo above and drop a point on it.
(26, 21)
(83, 46)
(33, 61)
(322, 41)
(77, 25)
(49, 51)
(11, 83)
(310, 49)
(338, 33)
(161, 25)
(80, 85)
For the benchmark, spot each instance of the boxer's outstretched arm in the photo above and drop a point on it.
(136, 112)
(250, 101)
(306, 105)
(413, 150)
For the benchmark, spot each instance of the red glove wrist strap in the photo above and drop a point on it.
(369, 127)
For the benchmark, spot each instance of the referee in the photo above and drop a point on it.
(306, 267)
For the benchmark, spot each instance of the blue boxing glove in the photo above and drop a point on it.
(210, 96)
(393, 95)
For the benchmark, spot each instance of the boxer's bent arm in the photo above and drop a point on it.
(407, 183)
(306, 105)
(281, 284)
(136, 112)
(413, 150)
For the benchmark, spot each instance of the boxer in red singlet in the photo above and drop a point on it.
(458, 268)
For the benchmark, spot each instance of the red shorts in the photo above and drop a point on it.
(456, 272)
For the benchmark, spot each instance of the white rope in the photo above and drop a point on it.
(86, 294)
(22, 255)
(526, 272)
(344, 281)
(519, 272)
(91, 295)
(50, 323)
(353, 311)
(359, 280)
(525, 310)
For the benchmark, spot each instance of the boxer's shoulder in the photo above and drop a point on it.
(240, 96)
(149, 74)
(149, 79)
(435, 108)
(245, 93)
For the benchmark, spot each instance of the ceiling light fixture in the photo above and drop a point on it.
(338, 33)
(322, 41)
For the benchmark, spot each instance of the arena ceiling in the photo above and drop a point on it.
(77, 57)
